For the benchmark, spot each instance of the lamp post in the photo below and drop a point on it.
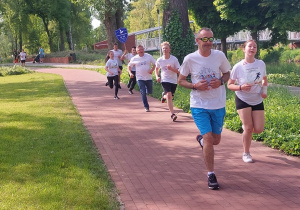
(159, 41)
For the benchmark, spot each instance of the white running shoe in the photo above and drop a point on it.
(247, 158)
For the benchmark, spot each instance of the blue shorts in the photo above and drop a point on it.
(209, 120)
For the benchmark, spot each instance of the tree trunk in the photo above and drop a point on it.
(20, 40)
(254, 35)
(70, 38)
(48, 34)
(182, 7)
(119, 22)
(110, 25)
(62, 41)
(224, 46)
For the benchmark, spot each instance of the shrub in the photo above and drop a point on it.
(289, 55)
(14, 70)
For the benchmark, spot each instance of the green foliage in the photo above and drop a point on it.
(237, 55)
(270, 55)
(15, 70)
(291, 79)
(180, 46)
(289, 55)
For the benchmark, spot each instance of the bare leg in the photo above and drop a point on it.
(258, 117)
(170, 102)
(209, 140)
(246, 118)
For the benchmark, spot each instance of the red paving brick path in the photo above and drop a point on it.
(157, 164)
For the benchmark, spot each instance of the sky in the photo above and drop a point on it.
(95, 23)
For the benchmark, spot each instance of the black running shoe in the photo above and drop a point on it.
(199, 138)
(174, 117)
(106, 84)
(119, 86)
(212, 182)
(116, 97)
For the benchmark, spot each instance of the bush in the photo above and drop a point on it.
(15, 70)
(289, 55)
(271, 55)
(237, 55)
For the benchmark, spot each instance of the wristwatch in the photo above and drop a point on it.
(222, 81)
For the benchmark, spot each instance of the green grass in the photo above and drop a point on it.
(48, 160)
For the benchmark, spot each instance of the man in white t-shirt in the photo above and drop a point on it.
(23, 57)
(145, 65)
(128, 56)
(209, 70)
(169, 66)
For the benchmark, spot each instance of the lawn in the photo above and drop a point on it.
(48, 159)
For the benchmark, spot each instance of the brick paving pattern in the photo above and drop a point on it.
(157, 164)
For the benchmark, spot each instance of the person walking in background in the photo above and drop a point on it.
(249, 81)
(15, 54)
(42, 54)
(112, 68)
(169, 66)
(132, 80)
(117, 57)
(23, 57)
(209, 70)
(143, 62)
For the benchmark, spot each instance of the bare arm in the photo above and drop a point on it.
(157, 74)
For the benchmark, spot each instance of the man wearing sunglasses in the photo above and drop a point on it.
(209, 70)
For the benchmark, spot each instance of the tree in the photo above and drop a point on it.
(176, 28)
(16, 19)
(287, 13)
(111, 13)
(247, 13)
(206, 15)
(141, 16)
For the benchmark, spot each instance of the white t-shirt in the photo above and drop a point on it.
(206, 68)
(166, 74)
(112, 66)
(143, 66)
(23, 56)
(128, 57)
(117, 55)
(251, 73)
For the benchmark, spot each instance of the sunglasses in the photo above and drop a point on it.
(206, 39)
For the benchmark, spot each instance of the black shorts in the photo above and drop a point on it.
(239, 104)
(169, 87)
(23, 61)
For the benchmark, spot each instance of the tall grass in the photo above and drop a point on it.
(48, 160)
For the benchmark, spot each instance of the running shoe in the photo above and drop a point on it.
(130, 92)
(174, 117)
(199, 138)
(247, 158)
(212, 182)
(163, 100)
(116, 97)
(147, 109)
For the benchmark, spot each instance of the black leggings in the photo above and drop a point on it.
(132, 81)
(114, 81)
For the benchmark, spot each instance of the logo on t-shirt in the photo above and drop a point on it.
(207, 74)
(253, 76)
